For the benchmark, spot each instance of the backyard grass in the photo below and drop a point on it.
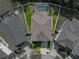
(54, 20)
(28, 13)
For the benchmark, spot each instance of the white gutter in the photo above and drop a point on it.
(4, 42)
(5, 49)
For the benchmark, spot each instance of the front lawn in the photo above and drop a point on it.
(36, 46)
(37, 51)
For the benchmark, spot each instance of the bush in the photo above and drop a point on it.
(37, 51)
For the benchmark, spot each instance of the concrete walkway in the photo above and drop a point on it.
(43, 51)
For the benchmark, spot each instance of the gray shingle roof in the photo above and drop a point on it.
(69, 35)
(75, 23)
(2, 55)
(60, 22)
(72, 26)
(41, 28)
(22, 20)
(6, 34)
(5, 5)
(75, 51)
(67, 39)
(16, 30)
(69, 26)
(13, 33)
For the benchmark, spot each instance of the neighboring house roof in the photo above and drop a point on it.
(67, 39)
(68, 26)
(14, 35)
(0, 18)
(2, 55)
(5, 6)
(75, 23)
(69, 35)
(5, 33)
(61, 20)
(16, 29)
(72, 26)
(5, 56)
(22, 20)
(41, 28)
(75, 51)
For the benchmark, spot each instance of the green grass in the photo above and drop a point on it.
(54, 20)
(28, 13)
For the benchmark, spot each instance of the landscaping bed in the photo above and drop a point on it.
(36, 46)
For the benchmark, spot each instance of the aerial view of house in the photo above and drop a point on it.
(39, 29)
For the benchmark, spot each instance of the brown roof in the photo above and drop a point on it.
(41, 28)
